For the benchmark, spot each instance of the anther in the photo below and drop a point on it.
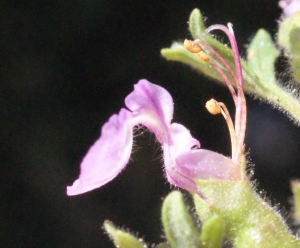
(191, 47)
(196, 49)
(213, 107)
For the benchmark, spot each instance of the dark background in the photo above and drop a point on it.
(66, 66)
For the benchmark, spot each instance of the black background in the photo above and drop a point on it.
(66, 66)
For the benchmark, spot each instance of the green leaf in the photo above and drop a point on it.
(121, 238)
(212, 232)
(262, 54)
(196, 24)
(178, 225)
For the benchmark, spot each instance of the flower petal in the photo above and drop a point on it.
(108, 156)
(180, 181)
(205, 164)
(182, 139)
(152, 106)
(179, 141)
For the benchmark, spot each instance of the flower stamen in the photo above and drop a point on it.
(237, 133)
(214, 107)
(191, 45)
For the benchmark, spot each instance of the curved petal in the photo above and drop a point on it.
(182, 139)
(108, 156)
(205, 164)
(179, 141)
(152, 106)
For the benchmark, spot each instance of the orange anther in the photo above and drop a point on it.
(191, 47)
(213, 107)
(194, 48)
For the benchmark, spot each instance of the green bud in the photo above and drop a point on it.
(178, 225)
(121, 238)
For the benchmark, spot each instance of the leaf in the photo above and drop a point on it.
(196, 24)
(262, 54)
(121, 238)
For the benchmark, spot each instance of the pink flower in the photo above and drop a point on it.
(151, 106)
(289, 7)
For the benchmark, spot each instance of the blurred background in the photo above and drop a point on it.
(66, 67)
